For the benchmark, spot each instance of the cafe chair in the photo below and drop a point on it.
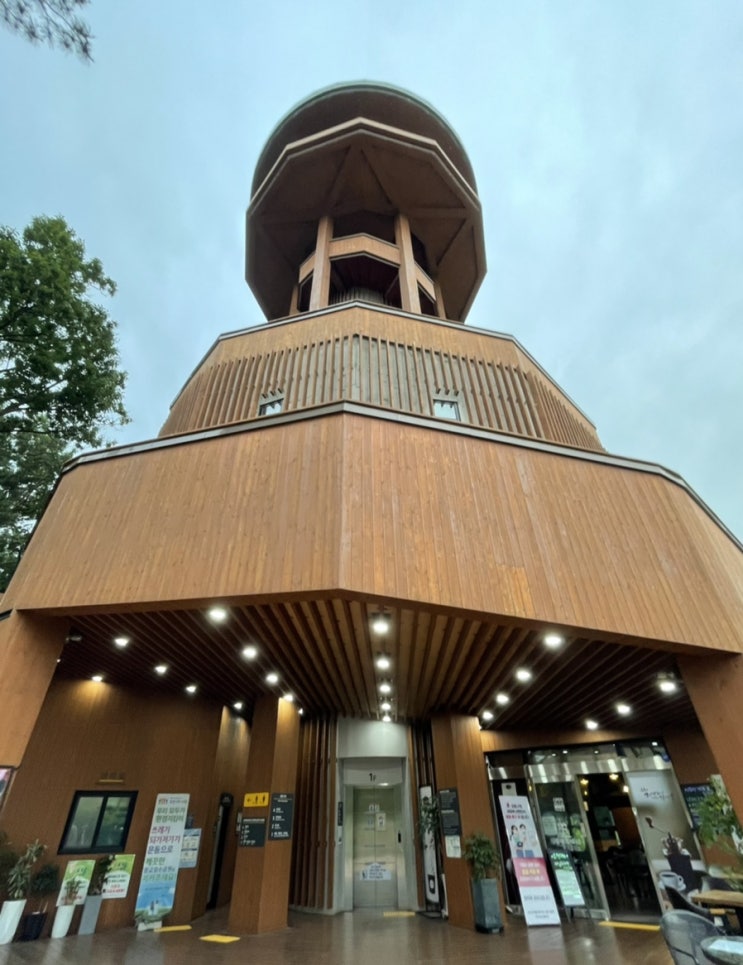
(683, 932)
(680, 903)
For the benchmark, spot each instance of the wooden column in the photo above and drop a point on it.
(260, 888)
(320, 291)
(460, 764)
(410, 298)
(715, 684)
(29, 648)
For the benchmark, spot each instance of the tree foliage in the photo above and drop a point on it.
(60, 382)
(54, 22)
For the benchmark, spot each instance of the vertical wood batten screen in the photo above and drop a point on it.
(314, 830)
(379, 372)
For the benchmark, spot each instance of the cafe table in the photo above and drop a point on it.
(723, 949)
(718, 898)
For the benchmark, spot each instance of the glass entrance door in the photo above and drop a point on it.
(376, 824)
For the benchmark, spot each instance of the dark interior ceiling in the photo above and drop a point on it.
(324, 651)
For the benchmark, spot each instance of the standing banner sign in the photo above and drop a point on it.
(160, 868)
(537, 897)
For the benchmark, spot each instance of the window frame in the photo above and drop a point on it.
(270, 400)
(94, 847)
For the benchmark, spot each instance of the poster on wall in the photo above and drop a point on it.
(430, 862)
(119, 876)
(190, 848)
(160, 868)
(529, 865)
(75, 882)
(668, 840)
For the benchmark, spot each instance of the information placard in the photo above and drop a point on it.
(252, 833)
(282, 813)
(566, 877)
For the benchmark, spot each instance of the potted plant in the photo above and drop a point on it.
(44, 882)
(17, 886)
(719, 826)
(481, 855)
(92, 906)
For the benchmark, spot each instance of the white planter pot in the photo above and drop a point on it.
(10, 915)
(62, 921)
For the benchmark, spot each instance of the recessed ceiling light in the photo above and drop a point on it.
(385, 688)
(380, 623)
(386, 718)
(591, 724)
(502, 699)
(238, 705)
(74, 636)
(161, 668)
(272, 678)
(289, 698)
(613, 777)
(667, 684)
(121, 641)
(553, 640)
(625, 789)
(523, 675)
(487, 715)
(191, 689)
(97, 678)
(383, 662)
(301, 711)
(624, 709)
(217, 614)
(250, 652)
(386, 705)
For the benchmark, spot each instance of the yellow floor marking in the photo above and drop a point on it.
(174, 928)
(398, 914)
(225, 939)
(629, 924)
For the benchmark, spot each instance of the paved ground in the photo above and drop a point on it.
(360, 938)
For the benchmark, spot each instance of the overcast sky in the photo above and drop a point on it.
(606, 138)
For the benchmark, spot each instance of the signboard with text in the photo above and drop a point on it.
(282, 813)
(537, 897)
(162, 858)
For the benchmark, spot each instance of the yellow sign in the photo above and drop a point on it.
(259, 799)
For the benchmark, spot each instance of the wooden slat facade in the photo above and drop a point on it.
(492, 391)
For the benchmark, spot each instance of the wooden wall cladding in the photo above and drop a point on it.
(314, 847)
(395, 512)
(85, 733)
(495, 384)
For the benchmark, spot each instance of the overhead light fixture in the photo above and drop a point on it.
(613, 777)
(667, 683)
(121, 641)
(386, 705)
(553, 640)
(191, 689)
(161, 668)
(74, 636)
(383, 662)
(624, 709)
(97, 678)
(591, 724)
(250, 652)
(217, 614)
(523, 675)
(272, 678)
(301, 711)
(385, 688)
(386, 718)
(381, 622)
(502, 699)
(238, 705)
(289, 698)
(487, 715)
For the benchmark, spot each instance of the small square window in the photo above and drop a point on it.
(271, 407)
(446, 409)
(98, 822)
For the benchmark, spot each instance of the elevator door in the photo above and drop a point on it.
(376, 823)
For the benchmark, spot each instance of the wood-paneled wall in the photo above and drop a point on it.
(88, 731)
(392, 511)
(408, 377)
(314, 848)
